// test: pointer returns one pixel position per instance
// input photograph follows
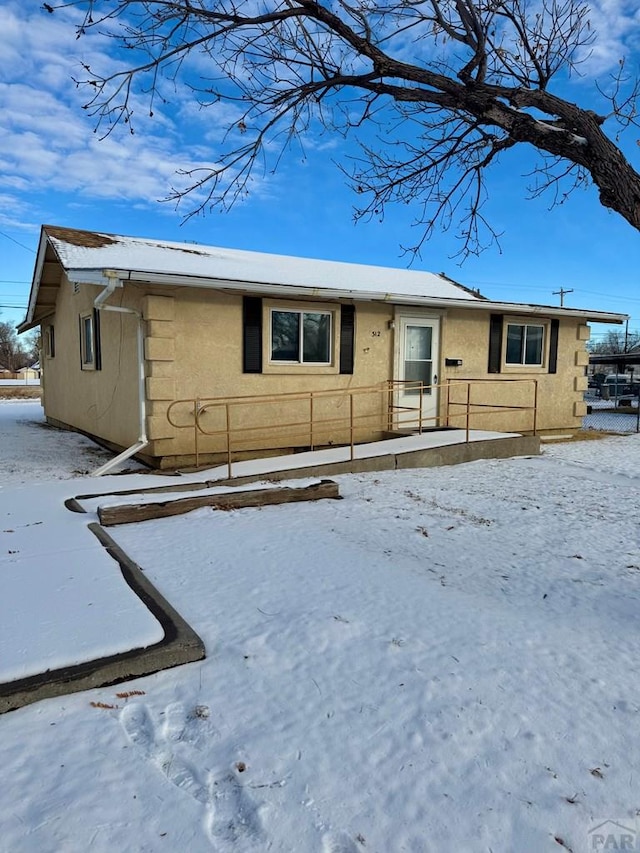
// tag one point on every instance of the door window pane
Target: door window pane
(418, 371)
(417, 342)
(418, 366)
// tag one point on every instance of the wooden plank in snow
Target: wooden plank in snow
(129, 513)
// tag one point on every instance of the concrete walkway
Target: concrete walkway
(48, 646)
(75, 611)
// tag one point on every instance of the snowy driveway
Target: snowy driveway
(444, 660)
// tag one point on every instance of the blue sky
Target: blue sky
(54, 169)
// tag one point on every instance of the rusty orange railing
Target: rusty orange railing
(309, 426)
(473, 408)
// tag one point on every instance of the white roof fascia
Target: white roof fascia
(37, 273)
(102, 277)
(377, 296)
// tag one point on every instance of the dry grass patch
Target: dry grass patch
(579, 435)
(596, 434)
(20, 392)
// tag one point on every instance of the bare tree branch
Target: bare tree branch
(446, 85)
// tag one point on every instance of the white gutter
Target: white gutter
(87, 276)
(100, 303)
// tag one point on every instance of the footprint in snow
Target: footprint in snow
(338, 843)
(160, 745)
(173, 747)
(234, 815)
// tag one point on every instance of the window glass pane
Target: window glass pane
(533, 348)
(418, 371)
(515, 340)
(285, 336)
(316, 338)
(87, 326)
(417, 342)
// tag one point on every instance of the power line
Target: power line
(613, 297)
(500, 285)
(17, 242)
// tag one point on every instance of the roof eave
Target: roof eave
(100, 277)
(28, 322)
(27, 325)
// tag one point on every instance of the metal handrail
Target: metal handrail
(471, 407)
(308, 427)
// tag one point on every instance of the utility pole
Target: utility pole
(561, 294)
(626, 335)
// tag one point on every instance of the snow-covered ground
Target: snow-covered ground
(444, 660)
(50, 560)
(32, 451)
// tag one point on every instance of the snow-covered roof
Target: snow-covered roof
(84, 250)
(96, 258)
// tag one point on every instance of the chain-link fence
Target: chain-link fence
(610, 409)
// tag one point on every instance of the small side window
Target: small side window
(87, 342)
(49, 342)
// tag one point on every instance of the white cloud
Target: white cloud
(615, 24)
(17, 213)
(47, 141)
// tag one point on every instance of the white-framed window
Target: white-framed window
(525, 344)
(49, 341)
(300, 337)
(87, 342)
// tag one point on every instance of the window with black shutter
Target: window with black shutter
(347, 338)
(252, 334)
(553, 346)
(495, 343)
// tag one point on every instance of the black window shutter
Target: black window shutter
(553, 346)
(495, 343)
(97, 345)
(251, 334)
(347, 334)
(80, 339)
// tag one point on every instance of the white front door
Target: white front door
(417, 356)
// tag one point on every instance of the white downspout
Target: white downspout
(100, 303)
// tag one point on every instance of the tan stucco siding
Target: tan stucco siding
(207, 338)
(560, 394)
(102, 402)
